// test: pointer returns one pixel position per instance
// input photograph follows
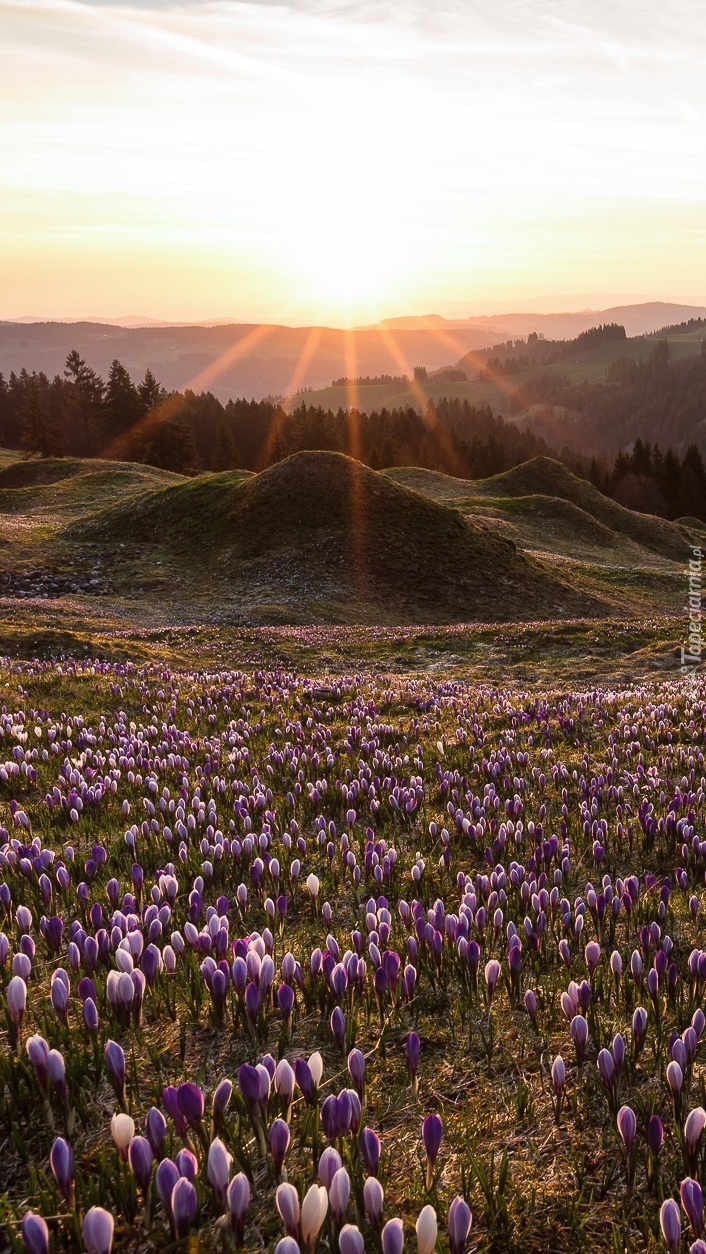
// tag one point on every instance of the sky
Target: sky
(344, 160)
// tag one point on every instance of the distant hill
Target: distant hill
(245, 359)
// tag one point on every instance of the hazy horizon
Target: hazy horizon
(344, 162)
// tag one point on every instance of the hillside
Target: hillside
(252, 359)
(547, 477)
(321, 538)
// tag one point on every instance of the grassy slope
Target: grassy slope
(316, 539)
(588, 366)
(320, 537)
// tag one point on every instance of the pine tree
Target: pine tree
(150, 392)
(40, 434)
(83, 396)
(121, 405)
(173, 447)
(225, 456)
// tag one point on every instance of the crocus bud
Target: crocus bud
(61, 1161)
(141, 1158)
(373, 1198)
(35, 1234)
(166, 1177)
(313, 1214)
(97, 1231)
(122, 1129)
(460, 1220)
(627, 1127)
(370, 1150)
(218, 1170)
(693, 1203)
(287, 1246)
(156, 1130)
(278, 1140)
(350, 1240)
(238, 1201)
(16, 998)
(393, 1237)
(184, 1204)
(115, 1066)
(427, 1231)
(287, 1202)
(670, 1223)
(693, 1129)
(339, 1194)
(432, 1136)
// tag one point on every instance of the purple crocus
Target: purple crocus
(35, 1234)
(238, 1198)
(392, 1237)
(670, 1223)
(184, 1204)
(141, 1158)
(115, 1066)
(432, 1136)
(191, 1104)
(278, 1141)
(460, 1220)
(692, 1201)
(97, 1231)
(61, 1161)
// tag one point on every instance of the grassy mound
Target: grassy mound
(542, 476)
(321, 538)
(75, 485)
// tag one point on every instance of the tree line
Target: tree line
(80, 414)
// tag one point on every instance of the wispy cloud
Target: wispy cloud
(393, 142)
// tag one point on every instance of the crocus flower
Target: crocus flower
(427, 1231)
(313, 1214)
(373, 1198)
(61, 1161)
(238, 1202)
(350, 1240)
(356, 1067)
(432, 1136)
(370, 1150)
(191, 1103)
(278, 1140)
(693, 1203)
(393, 1237)
(492, 975)
(693, 1130)
(166, 1176)
(35, 1234)
(115, 1066)
(627, 1127)
(287, 1202)
(339, 1194)
(122, 1129)
(184, 1204)
(141, 1158)
(460, 1220)
(287, 1246)
(16, 997)
(97, 1231)
(218, 1170)
(670, 1223)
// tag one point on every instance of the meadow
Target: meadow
(347, 936)
(296, 960)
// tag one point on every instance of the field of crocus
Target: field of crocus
(304, 962)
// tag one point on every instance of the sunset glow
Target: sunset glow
(345, 161)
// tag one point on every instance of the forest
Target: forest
(659, 471)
